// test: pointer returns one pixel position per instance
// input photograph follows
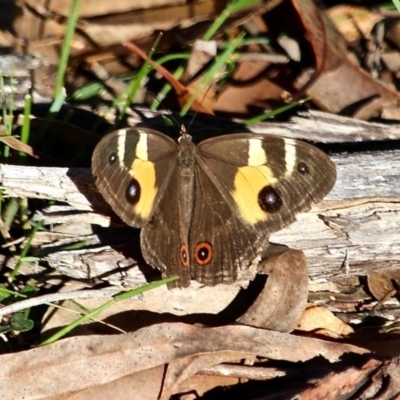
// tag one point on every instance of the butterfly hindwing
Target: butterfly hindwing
(164, 238)
(219, 242)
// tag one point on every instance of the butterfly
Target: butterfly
(207, 210)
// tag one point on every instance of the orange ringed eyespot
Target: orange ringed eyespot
(203, 253)
(184, 256)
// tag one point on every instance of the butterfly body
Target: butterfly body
(207, 210)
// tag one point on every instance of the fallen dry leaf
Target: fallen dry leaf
(384, 285)
(354, 22)
(341, 86)
(250, 89)
(16, 144)
(181, 369)
(313, 22)
(83, 362)
(183, 93)
(40, 28)
(284, 296)
(315, 317)
(143, 384)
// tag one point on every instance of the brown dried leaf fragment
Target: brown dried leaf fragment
(315, 317)
(384, 285)
(283, 299)
(340, 85)
(81, 363)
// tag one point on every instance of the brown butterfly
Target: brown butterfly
(206, 210)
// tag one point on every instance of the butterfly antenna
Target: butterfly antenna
(197, 111)
(167, 111)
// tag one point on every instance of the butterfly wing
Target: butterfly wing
(163, 240)
(219, 242)
(247, 187)
(132, 168)
(136, 172)
(267, 180)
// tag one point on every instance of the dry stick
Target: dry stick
(243, 371)
(49, 298)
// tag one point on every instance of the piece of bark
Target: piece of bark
(312, 125)
(371, 176)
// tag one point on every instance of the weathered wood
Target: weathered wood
(313, 125)
(323, 127)
(356, 223)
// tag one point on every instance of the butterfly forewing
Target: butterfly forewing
(269, 179)
(132, 168)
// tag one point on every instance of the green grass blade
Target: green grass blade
(231, 8)
(219, 62)
(144, 288)
(10, 212)
(136, 83)
(397, 5)
(7, 114)
(26, 126)
(93, 313)
(25, 250)
(274, 112)
(66, 47)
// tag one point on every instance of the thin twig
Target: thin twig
(53, 297)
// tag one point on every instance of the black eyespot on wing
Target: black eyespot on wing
(270, 200)
(303, 168)
(112, 158)
(132, 192)
(203, 253)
